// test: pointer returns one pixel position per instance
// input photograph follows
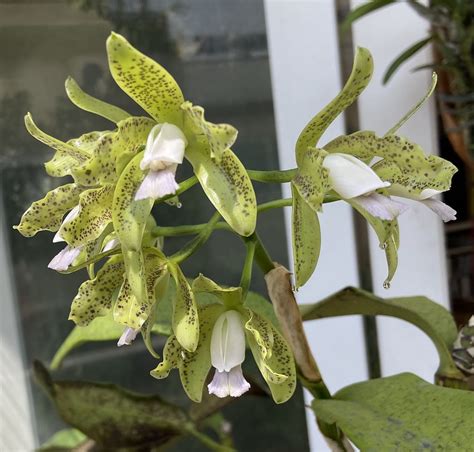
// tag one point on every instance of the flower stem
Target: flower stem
(250, 244)
(209, 442)
(278, 177)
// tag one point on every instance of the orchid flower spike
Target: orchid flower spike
(353, 180)
(127, 337)
(67, 255)
(164, 151)
(227, 356)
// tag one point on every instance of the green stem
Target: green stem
(191, 247)
(263, 259)
(250, 244)
(209, 442)
(278, 177)
(183, 186)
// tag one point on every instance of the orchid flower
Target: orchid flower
(227, 356)
(164, 151)
(352, 179)
(127, 337)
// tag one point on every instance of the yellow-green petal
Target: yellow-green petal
(358, 80)
(227, 185)
(230, 296)
(47, 213)
(144, 80)
(88, 103)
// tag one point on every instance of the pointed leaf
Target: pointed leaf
(306, 237)
(427, 315)
(91, 104)
(94, 298)
(219, 137)
(185, 312)
(66, 157)
(358, 80)
(99, 329)
(94, 216)
(113, 151)
(47, 213)
(401, 412)
(119, 420)
(145, 81)
(228, 187)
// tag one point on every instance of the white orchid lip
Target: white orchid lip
(164, 151)
(227, 355)
(350, 177)
(64, 258)
(127, 337)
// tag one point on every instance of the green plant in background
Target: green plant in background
(104, 216)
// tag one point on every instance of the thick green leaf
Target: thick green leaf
(427, 315)
(91, 104)
(94, 216)
(67, 439)
(145, 81)
(312, 179)
(358, 80)
(130, 216)
(228, 187)
(99, 329)
(66, 157)
(219, 137)
(47, 213)
(113, 417)
(185, 312)
(94, 298)
(402, 412)
(306, 238)
(388, 235)
(112, 151)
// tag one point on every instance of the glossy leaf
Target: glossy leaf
(402, 412)
(430, 317)
(193, 366)
(99, 329)
(218, 137)
(94, 298)
(66, 157)
(358, 80)
(47, 213)
(122, 419)
(312, 179)
(145, 81)
(306, 238)
(112, 151)
(185, 313)
(94, 216)
(228, 187)
(91, 104)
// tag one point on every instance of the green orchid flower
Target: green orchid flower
(225, 329)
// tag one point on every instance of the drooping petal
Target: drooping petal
(350, 177)
(64, 258)
(73, 213)
(228, 342)
(219, 386)
(127, 337)
(111, 244)
(381, 206)
(158, 184)
(238, 385)
(445, 212)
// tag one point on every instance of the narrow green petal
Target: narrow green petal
(130, 216)
(171, 359)
(218, 136)
(228, 187)
(358, 80)
(185, 313)
(47, 213)
(94, 298)
(113, 151)
(145, 81)
(312, 180)
(91, 104)
(66, 156)
(306, 238)
(95, 215)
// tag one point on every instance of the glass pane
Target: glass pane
(217, 52)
